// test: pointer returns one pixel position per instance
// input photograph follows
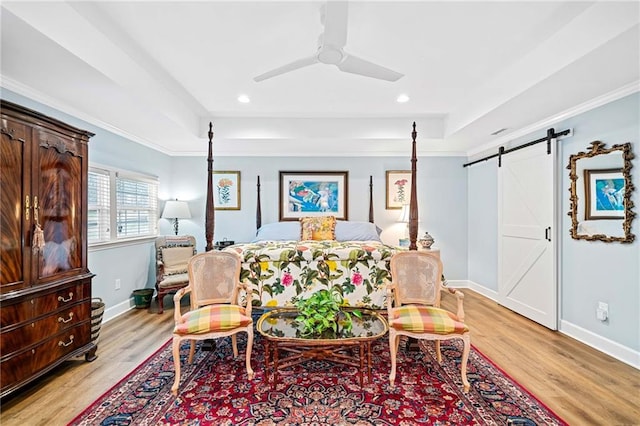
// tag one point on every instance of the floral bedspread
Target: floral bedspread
(282, 272)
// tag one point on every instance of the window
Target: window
(99, 216)
(135, 198)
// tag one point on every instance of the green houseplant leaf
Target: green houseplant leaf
(322, 312)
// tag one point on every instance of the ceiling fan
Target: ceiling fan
(331, 42)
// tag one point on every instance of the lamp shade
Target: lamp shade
(174, 209)
(404, 214)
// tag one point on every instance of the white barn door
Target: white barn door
(526, 247)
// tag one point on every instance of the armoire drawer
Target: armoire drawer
(61, 345)
(15, 369)
(60, 299)
(16, 312)
(35, 331)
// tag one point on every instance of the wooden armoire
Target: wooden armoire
(45, 285)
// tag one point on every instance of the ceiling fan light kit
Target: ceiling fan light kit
(334, 16)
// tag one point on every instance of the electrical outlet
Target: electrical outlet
(117, 283)
(602, 312)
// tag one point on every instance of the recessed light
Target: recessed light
(402, 99)
(244, 99)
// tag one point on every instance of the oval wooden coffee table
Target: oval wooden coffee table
(285, 347)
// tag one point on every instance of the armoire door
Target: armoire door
(58, 209)
(527, 281)
(16, 218)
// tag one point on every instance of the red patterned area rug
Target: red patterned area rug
(214, 391)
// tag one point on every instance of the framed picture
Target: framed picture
(398, 189)
(226, 190)
(604, 194)
(314, 194)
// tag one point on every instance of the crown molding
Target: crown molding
(596, 102)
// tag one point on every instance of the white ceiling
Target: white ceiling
(158, 72)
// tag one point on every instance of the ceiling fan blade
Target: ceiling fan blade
(335, 23)
(355, 65)
(300, 63)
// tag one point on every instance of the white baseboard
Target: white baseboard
(117, 310)
(609, 347)
(486, 292)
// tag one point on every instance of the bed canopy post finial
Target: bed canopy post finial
(210, 208)
(371, 198)
(258, 208)
(413, 203)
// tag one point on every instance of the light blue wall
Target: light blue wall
(441, 184)
(595, 271)
(483, 224)
(589, 271)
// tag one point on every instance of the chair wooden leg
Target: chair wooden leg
(393, 348)
(160, 298)
(248, 354)
(438, 353)
(192, 351)
(176, 363)
(234, 344)
(466, 339)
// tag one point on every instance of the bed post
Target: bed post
(371, 198)
(413, 203)
(258, 208)
(209, 223)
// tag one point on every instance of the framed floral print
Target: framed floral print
(313, 194)
(398, 184)
(226, 190)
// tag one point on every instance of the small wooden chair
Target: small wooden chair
(214, 289)
(172, 256)
(413, 306)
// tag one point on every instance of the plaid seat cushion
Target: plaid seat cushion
(426, 319)
(212, 318)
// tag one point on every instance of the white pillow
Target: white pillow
(278, 231)
(356, 231)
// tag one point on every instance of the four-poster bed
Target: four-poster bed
(285, 263)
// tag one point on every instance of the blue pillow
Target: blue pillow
(278, 231)
(357, 231)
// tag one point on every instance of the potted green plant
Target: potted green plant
(322, 312)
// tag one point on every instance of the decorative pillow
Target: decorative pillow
(318, 228)
(356, 231)
(278, 231)
(175, 259)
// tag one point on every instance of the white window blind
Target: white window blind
(137, 206)
(122, 206)
(99, 215)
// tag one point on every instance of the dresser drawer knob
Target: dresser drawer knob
(61, 343)
(60, 319)
(62, 299)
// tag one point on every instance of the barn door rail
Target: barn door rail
(551, 134)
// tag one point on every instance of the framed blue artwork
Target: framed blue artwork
(314, 194)
(604, 194)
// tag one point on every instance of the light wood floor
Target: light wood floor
(582, 385)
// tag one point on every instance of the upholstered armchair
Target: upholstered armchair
(217, 310)
(172, 256)
(413, 307)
